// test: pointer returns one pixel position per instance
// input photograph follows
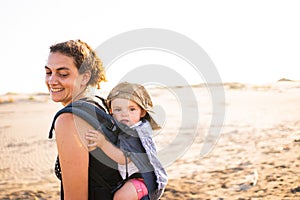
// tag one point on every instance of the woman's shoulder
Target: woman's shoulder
(68, 125)
(64, 120)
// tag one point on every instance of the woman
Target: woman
(71, 68)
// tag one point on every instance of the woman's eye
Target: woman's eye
(63, 75)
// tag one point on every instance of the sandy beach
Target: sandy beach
(255, 157)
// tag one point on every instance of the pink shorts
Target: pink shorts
(140, 187)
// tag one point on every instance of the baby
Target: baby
(130, 104)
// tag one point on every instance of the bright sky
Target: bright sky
(249, 41)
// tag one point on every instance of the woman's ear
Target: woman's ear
(86, 78)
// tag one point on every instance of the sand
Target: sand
(256, 156)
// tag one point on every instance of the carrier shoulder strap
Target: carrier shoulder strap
(92, 114)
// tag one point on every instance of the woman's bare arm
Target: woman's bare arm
(73, 155)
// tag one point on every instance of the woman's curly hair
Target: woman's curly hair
(85, 59)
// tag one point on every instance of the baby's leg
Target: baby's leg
(126, 192)
(133, 189)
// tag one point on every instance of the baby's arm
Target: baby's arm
(99, 140)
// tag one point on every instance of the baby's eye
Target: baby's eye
(117, 110)
(132, 109)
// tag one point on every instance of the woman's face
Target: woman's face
(63, 80)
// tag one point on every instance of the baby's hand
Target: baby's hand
(96, 138)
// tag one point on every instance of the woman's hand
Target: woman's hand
(95, 138)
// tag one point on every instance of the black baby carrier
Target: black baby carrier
(104, 177)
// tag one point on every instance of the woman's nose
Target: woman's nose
(52, 79)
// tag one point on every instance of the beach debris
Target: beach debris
(252, 178)
(294, 190)
(250, 181)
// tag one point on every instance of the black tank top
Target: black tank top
(104, 176)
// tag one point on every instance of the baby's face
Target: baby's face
(126, 111)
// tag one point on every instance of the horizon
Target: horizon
(107, 87)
